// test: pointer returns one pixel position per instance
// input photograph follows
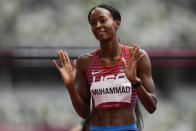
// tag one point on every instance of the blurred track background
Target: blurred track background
(32, 94)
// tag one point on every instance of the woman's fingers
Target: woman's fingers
(56, 65)
(137, 56)
(61, 57)
(74, 65)
(135, 52)
(66, 57)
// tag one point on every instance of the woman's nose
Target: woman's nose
(98, 25)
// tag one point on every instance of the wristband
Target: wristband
(139, 83)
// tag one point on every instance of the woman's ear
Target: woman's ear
(117, 24)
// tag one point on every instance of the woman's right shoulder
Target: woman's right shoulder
(85, 57)
(84, 61)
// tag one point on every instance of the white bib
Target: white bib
(111, 89)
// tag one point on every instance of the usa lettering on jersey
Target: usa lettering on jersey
(105, 78)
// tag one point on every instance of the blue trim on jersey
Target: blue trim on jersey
(130, 127)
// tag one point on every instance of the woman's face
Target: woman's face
(103, 25)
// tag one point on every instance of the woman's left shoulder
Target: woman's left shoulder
(141, 50)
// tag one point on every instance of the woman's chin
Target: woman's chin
(102, 39)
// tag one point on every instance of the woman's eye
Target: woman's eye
(92, 23)
(103, 20)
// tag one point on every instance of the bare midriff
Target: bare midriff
(113, 117)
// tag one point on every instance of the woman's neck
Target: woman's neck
(110, 49)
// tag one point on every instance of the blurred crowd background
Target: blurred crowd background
(32, 94)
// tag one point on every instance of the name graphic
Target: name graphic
(111, 90)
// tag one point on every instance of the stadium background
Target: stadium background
(32, 94)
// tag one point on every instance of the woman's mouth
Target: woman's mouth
(100, 33)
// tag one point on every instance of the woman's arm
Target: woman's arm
(79, 96)
(139, 69)
(83, 86)
(146, 92)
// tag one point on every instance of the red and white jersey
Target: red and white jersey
(109, 85)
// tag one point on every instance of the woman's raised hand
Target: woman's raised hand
(67, 71)
(131, 68)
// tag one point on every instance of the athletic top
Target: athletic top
(109, 85)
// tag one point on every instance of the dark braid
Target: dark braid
(138, 113)
(115, 13)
